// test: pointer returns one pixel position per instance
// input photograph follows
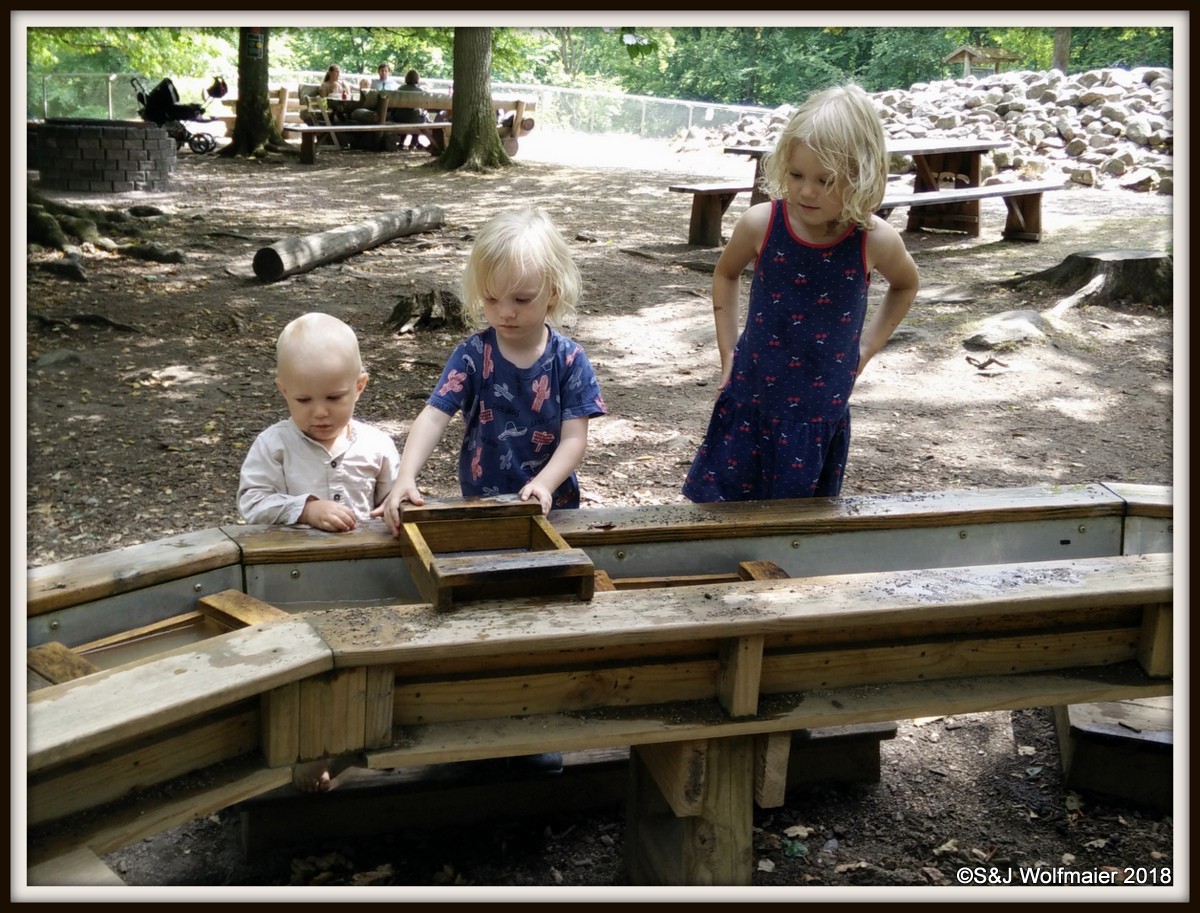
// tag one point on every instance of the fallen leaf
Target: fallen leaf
(798, 830)
(849, 866)
(1026, 750)
(950, 846)
(766, 865)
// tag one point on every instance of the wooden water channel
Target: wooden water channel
(169, 680)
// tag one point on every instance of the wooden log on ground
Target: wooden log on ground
(1108, 277)
(300, 254)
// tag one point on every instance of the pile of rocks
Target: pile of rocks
(1109, 126)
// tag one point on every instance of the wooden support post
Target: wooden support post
(712, 847)
(280, 715)
(1156, 645)
(739, 672)
(333, 713)
(381, 689)
(772, 751)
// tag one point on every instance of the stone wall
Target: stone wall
(1101, 127)
(99, 156)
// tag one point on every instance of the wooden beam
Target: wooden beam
(739, 674)
(235, 609)
(55, 663)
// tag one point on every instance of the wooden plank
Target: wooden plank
(490, 693)
(761, 570)
(1145, 500)
(469, 509)
(235, 609)
(139, 765)
(269, 544)
(442, 742)
(147, 815)
(966, 194)
(810, 516)
(770, 607)
(92, 577)
(80, 868)
(71, 720)
(55, 663)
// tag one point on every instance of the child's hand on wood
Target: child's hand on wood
(329, 516)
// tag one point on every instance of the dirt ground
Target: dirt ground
(147, 382)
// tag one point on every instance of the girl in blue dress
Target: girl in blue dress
(526, 392)
(780, 427)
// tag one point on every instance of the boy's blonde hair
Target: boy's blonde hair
(525, 240)
(843, 129)
(317, 336)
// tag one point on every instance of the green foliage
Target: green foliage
(166, 51)
(1095, 48)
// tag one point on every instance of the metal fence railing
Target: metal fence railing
(111, 96)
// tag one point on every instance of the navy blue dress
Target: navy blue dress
(781, 427)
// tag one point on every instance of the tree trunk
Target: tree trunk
(1062, 50)
(255, 132)
(1110, 277)
(474, 141)
(297, 255)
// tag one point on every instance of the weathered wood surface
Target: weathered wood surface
(71, 720)
(296, 255)
(135, 567)
(911, 599)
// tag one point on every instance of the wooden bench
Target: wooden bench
(957, 208)
(709, 203)
(310, 134)
(704, 682)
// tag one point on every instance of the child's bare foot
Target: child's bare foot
(312, 777)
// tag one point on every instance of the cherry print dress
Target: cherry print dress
(781, 427)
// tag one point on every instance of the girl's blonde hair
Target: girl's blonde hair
(843, 129)
(515, 242)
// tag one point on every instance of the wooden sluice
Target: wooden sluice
(700, 637)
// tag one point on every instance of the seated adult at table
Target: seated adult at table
(412, 83)
(385, 80)
(333, 86)
(335, 91)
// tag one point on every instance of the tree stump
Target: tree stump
(1110, 277)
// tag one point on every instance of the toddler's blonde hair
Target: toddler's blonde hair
(316, 336)
(842, 127)
(524, 240)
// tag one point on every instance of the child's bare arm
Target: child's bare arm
(887, 254)
(423, 437)
(566, 459)
(741, 250)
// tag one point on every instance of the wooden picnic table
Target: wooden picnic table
(938, 160)
(949, 168)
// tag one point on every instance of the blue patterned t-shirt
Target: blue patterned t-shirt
(514, 416)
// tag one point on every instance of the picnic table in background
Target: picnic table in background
(946, 187)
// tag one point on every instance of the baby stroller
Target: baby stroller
(161, 106)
